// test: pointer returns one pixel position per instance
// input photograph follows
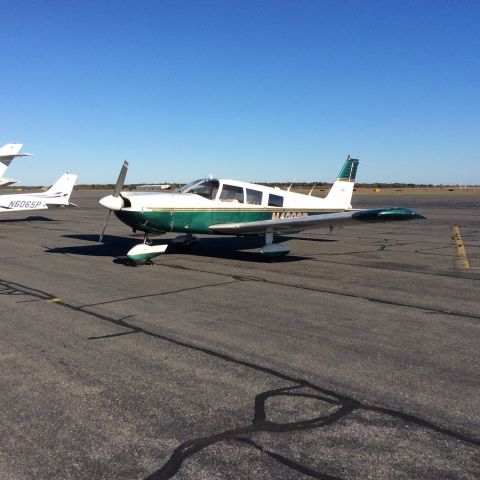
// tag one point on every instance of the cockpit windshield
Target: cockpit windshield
(204, 188)
(185, 187)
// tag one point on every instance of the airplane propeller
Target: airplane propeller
(114, 201)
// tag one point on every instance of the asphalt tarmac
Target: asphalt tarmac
(356, 357)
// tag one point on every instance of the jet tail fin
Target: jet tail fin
(340, 195)
(59, 193)
(8, 152)
(10, 149)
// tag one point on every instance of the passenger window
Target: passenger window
(275, 201)
(231, 193)
(254, 197)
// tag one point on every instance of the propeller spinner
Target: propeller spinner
(114, 202)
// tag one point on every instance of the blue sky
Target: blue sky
(254, 90)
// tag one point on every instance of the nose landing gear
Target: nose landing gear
(144, 252)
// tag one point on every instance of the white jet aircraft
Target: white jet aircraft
(232, 207)
(7, 154)
(58, 194)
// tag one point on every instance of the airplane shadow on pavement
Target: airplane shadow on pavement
(32, 218)
(232, 248)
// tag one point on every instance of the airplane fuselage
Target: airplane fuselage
(58, 194)
(198, 220)
(12, 203)
(192, 213)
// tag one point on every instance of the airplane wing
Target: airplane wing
(297, 224)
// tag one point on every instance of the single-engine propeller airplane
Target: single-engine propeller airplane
(7, 154)
(232, 207)
(58, 194)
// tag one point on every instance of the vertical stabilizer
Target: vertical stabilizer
(59, 193)
(7, 154)
(340, 195)
(10, 149)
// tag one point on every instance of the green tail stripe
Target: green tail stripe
(349, 170)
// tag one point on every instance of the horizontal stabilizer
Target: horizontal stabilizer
(17, 155)
(392, 214)
(12, 150)
(6, 181)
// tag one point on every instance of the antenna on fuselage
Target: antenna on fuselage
(293, 181)
(310, 192)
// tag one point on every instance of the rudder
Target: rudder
(340, 195)
(349, 170)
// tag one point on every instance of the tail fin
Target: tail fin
(59, 193)
(10, 149)
(7, 153)
(340, 195)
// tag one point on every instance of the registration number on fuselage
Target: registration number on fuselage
(280, 215)
(24, 204)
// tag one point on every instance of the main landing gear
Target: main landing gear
(273, 250)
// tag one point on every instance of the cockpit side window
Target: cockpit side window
(275, 200)
(254, 197)
(232, 193)
(204, 188)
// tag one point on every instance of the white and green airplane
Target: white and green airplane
(7, 153)
(232, 207)
(58, 194)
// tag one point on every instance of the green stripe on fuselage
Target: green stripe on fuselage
(198, 221)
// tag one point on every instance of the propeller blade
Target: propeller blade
(112, 202)
(100, 239)
(121, 179)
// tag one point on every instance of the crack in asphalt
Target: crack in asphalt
(331, 292)
(386, 243)
(395, 269)
(342, 405)
(288, 462)
(159, 294)
(101, 337)
(260, 423)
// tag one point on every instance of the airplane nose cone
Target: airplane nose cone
(112, 203)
